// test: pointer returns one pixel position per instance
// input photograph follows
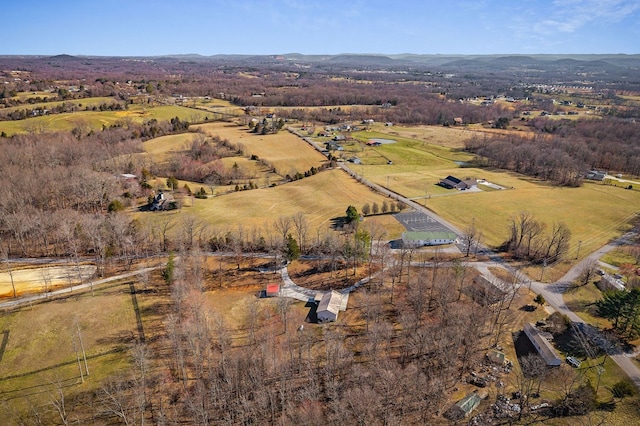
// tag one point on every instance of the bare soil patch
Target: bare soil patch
(35, 280)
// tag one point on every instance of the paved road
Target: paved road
(553, 295)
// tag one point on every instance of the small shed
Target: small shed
(465, 406)
(607, 282)
(328, 306)
(484, 291)
(273, 290)
(496, 357)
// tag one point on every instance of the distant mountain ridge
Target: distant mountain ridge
(623, 65)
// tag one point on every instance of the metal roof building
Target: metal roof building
(542, 345)
(329, 306)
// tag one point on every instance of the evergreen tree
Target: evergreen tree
(293, 250)
(352, 214)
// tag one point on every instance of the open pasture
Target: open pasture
(39, 352)
(450, 137)
(81, 104)
(252, 170)
(162, 147)
(594, 213)
(408, 151)
(320, 198)
(415, 166)
(286, 152)
(24, 96)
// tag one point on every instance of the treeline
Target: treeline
(563, 151)
(21, 114)
(410, 109)
(531, 240)
(201, 162)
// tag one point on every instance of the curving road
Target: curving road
(553, 295)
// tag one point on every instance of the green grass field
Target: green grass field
(594, 213)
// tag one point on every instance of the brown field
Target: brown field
(285, 151)
(320, 198)
(33, 280)
(40, 350)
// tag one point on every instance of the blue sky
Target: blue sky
(209, 27)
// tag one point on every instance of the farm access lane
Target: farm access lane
(384, 191)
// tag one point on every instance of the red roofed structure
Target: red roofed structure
(273, 290)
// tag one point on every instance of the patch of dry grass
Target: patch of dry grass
(33, 280)
(286, 152)
(320, 198)
(40, 345)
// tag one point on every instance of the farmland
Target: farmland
(96, 120)
(194, 194)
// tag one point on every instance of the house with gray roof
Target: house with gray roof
(542, 345)
(328, 306)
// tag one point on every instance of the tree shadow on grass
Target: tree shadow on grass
(576, 306)
(338, 222)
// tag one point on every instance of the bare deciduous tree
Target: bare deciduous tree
(301, 226)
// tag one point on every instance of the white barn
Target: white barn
(329, 306)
